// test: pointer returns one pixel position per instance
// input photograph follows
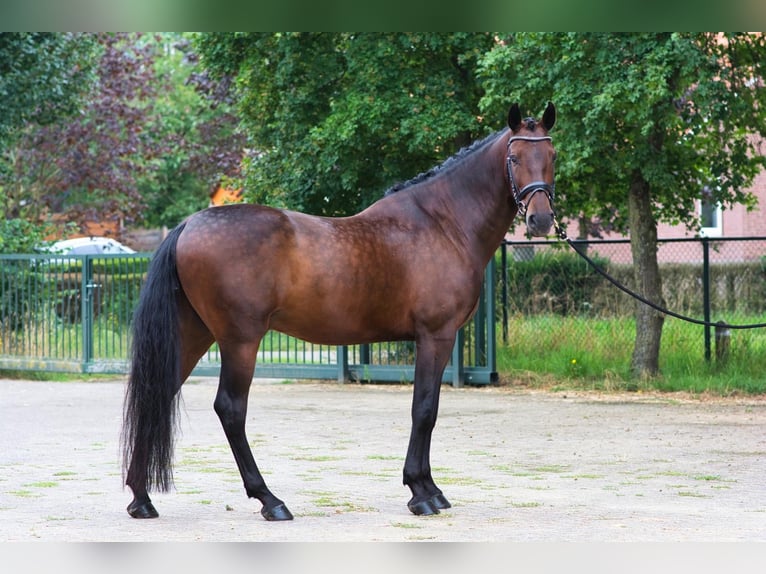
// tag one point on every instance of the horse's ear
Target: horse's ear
(549, 116)
(514, 117)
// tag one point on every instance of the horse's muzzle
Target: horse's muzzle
(539, 224)
(538, 212)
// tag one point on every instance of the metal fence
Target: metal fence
(710, 279)
(67, 313)
(73, 314)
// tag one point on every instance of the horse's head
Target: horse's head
(530, 161)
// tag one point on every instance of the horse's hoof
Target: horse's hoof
(423, 508)
(276, 513)
(142, 510)
(439, 501)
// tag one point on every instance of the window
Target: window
(710, 217)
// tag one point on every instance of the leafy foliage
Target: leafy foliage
(91, 162)
(42, 76)
(203, 145)
(21, 236)
(146, 146)
(337, 118)
(554, 282)
(680, 109)
(655, 120)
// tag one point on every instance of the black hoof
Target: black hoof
(276, 513)
(142, 510)
(439, 501)
(423, 508)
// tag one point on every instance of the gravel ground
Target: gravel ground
(517, 466)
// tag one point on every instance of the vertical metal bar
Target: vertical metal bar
(61, 279)
(364, 355)
(86, 297)
(52, 283)
(479, 326)
(5, 309)
(24, 298)
(504, 288)
(458, 373)
(69, 340)
(342, 358)
(706, 292)
(491, 351)
(97, 331)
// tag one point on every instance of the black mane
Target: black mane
(446, 165)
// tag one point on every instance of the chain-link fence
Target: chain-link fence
(707, 279)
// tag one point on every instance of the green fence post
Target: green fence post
(504, 288)
(86, 298)
(342, 358)
(458, 371)
(491, 342)
(706, 293)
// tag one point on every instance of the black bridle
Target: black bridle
(531, 188)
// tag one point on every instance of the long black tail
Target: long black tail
(151, 399)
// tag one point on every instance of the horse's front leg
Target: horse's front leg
(432, 355)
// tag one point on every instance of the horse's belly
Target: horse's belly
(337, 325)
(344, 316)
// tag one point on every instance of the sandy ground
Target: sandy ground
(517, 466)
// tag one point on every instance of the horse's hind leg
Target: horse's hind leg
(432, 356)
(237, 366)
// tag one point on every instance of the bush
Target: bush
(21, 236)
(552, 282)
(564, 284)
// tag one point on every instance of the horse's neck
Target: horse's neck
(474, 199)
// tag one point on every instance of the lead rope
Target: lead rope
(562, 235)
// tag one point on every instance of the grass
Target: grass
(316, 458)
(526, 504)
(45, 484)
(406, 525)
(58, 377)
(23, 493)
(559, 353)
(329, 500)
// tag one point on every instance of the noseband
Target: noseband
(531, 188)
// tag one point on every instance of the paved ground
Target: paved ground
(517, 466)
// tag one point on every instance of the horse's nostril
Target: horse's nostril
(539, 224)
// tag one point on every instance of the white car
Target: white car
(88, 246)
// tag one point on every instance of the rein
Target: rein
(561, 234)
(531, 188)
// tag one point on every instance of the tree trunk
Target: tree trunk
(643, 244)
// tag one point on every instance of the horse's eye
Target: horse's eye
(515, 160)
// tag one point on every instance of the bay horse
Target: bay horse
(409, 267)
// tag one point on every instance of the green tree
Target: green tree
(42, 77)
(88, 165)
(334, 119)
(203, 145)
(146, 146)
(648, 123)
